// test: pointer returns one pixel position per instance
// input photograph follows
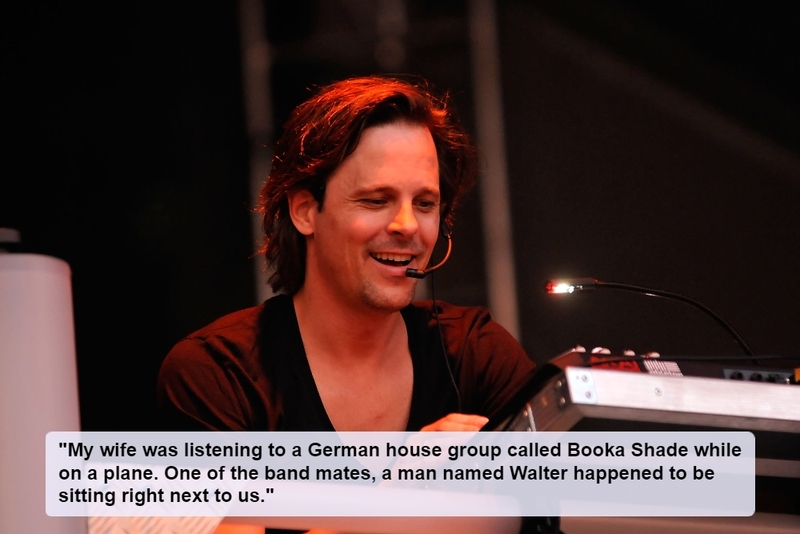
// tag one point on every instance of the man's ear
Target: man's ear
(302, 208)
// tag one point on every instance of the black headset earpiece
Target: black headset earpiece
(445, 228)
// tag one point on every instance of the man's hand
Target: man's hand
(455, 422)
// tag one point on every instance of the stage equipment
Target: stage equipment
(580, 391)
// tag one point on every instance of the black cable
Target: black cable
(441, 340)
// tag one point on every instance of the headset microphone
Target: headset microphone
(414, 273)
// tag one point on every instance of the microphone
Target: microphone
(414, 273)
(573, 285)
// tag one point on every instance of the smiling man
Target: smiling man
(363, 177)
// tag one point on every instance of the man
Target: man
(362, 177)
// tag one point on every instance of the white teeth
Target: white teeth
(392, 257)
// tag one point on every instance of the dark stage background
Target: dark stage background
(651, 144)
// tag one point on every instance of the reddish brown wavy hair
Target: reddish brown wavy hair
(324, 130)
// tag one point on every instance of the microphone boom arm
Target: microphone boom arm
(588, 284)
(414, 273)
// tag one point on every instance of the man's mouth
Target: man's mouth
(394, 260)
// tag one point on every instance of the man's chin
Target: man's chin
(388, 300)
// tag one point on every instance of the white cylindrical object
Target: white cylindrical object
(38, 386)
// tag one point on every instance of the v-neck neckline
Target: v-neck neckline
(415, 347)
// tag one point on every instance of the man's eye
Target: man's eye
(374, 201)
(426, 204)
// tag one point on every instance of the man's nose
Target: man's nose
(405, 221)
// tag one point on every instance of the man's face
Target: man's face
(380, 217)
